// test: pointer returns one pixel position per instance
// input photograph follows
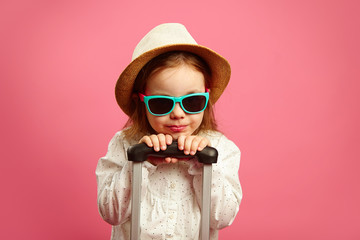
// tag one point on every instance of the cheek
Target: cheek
(151, 119)
(154, 121)
(197, 119)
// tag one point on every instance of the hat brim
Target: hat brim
(220, 71)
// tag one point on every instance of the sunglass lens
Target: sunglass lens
(194, 103)
(160, 105)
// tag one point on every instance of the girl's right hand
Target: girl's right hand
(158, 142)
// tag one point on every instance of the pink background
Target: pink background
(292, 107)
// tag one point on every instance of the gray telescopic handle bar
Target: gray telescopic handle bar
(140, 152)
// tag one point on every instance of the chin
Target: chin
(175, 136)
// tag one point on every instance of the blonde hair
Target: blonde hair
(137, 124)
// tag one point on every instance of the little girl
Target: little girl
(168, 91)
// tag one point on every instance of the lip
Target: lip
(176, 128)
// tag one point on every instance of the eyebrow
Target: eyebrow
(168, 95)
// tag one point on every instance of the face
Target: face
(176, 82)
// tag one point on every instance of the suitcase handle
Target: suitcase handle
(140, 152)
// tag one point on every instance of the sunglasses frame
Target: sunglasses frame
(175, 100)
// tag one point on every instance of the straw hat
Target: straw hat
(165, 38)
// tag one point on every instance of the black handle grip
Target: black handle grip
(140, 152)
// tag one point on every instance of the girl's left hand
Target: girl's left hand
(190, 145)
(193, 143)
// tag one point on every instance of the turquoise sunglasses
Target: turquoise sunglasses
(159, 105)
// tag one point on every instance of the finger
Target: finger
(187, 144)
(146, 140)
(203, 143)
(168, 139)
(181, 142)
(162, 141)
(155, 142)
(195, 145)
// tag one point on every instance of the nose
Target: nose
(177, 112)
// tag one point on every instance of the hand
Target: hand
(189, 144)
(158, 142)
(193, 143)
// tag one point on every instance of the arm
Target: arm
(113, 174)
(226, 193)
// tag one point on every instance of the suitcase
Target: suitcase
(140, 152)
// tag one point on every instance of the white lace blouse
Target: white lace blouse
(171, 193)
